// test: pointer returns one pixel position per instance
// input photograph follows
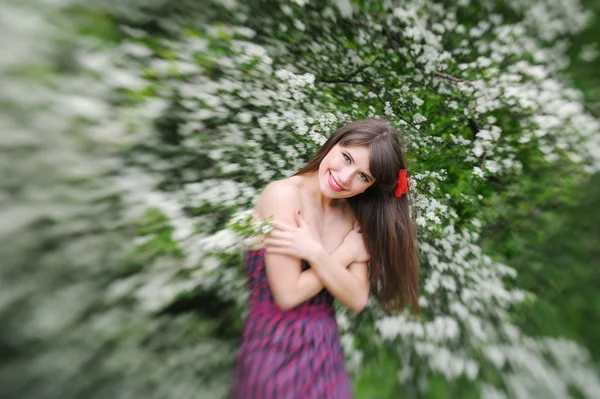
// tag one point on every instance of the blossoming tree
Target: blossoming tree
(170, 118)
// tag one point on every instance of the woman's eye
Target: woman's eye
(364, 177)
(346, 157)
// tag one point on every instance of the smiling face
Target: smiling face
(344, 172)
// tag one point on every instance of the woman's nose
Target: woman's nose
(346, 175)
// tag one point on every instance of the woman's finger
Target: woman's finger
(278, 225)
(280, 234)
(275, 242)
(277, 250)
(299, 219)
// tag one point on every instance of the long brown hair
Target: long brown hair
(385, 220)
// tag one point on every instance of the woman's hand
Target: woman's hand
(298, 242)
(355, 243)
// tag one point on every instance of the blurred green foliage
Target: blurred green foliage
(550, 235)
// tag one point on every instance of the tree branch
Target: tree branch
(452, 78)
(443, 75)
(373, 89)
(390, 41)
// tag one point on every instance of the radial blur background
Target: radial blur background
(135, 134)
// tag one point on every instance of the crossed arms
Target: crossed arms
(344, 272)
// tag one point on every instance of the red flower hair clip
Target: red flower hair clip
(402, 187)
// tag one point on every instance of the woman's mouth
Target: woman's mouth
(335, 186)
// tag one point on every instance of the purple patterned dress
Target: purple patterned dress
(293, 354)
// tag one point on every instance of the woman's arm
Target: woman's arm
(349, 285)
(290, 285)
(309, 283)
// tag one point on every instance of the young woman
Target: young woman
(342, 230)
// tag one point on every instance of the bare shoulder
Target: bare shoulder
(279, 197)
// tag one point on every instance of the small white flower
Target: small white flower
(418, 118)
(478, 172)
(492, 166)
(417, 101)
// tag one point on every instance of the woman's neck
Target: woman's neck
(310, 187)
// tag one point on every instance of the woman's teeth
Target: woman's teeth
(333, 183)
